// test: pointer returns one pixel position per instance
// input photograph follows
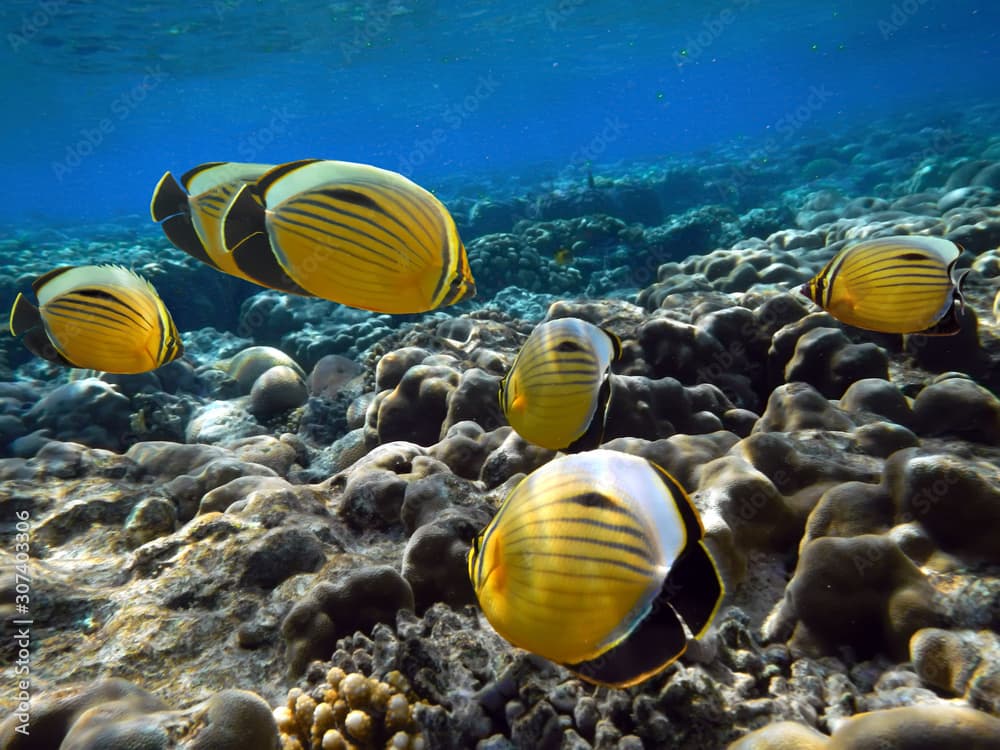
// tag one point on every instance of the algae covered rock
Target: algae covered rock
(115, 714)
(356, 600)
(859, 591)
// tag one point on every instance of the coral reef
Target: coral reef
(264, 544)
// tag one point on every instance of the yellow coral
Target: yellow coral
(349, 711)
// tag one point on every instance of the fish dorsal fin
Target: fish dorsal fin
(53, 284)
(944, 249)
(657, 640)
(169, 199)
(693, 530)
(46, 278)
(193, 174)
(616, 345)
(24, 316)
(269, 180)
(283, 182)
(206, 177)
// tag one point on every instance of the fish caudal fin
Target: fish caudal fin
(26, 322)
(37, 342)
(23, 316)
(694, 588)
(169, 199)
(170, 207)
(657, 640)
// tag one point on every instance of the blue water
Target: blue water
(102, 97)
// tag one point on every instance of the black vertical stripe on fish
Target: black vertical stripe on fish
(593, 436)
(656, 640)
(694, 587)
(182, 235)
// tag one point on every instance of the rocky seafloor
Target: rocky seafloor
(263, 544)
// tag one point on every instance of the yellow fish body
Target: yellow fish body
(557, 391)
(104, 318)
(191, 211)
(592, 561)
(354, 234)
(904, 284)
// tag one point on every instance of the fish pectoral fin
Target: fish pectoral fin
(23, 316)
(655, 642)
(694, 588)
(169, 199)
(37, 342)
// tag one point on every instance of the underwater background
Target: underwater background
(263, 543)
(443, 92)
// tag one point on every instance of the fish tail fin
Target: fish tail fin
(169, 199)
(23, 316)
(694, 588)
(37, 342)
(170, 207)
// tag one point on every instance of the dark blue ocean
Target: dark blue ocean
(101, 98)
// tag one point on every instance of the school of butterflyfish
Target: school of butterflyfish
(350, 233)
(597, 559)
